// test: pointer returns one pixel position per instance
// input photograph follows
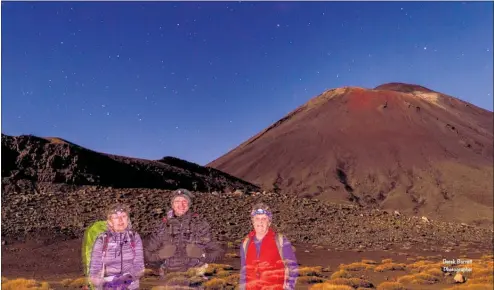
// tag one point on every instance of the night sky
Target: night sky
(195, 79)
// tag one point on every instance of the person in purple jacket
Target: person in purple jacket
(117, 259)
(267, 258)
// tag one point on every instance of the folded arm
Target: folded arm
(214, 251)
(96, 264)
(291, 263)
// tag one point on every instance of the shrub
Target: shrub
(215, 283)
(390, 286)
(341, 274)
(310, 271)
(358, 266)
(390, 267)
(420, 278)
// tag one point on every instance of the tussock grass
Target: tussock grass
(419, 278)
(21, 283)
(482, 280)
(66, 282)
(391, 286)
(222, 273)
(423, 265)
(178, 281)
(325, 286)
(386, 261)
(215, 284)
(233, 279)
(471, 287)
(487, 257)
(352, 282)
(310, 280)
(310, 271)
(79, 282)
(369, 262)
(357, 266)
(341, 274)
(390, 267)
(172, 275)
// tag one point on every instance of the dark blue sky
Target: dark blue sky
(193, 80)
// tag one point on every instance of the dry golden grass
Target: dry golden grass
(223, 273)
(391, 286)
(66, 282)
(419, 278)
(481, 280)
(411, 259)
(390, 267)
(21, 283)
(471, 287)
(178, 281)
(487, 257)
(79, 282)
(4, 279)
(309, 280)
(385, 261)
(215, 283)
(148, 272)
(423, 265)
(172, 275)
(233, 279)
(357, 266)
(310, 271)
(341, 274)
(436, 272)
(352, 282)
(370, 262)
(325, 286)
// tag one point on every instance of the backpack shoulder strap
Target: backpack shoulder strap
(245, 245)
(106, 240)
(279, 244)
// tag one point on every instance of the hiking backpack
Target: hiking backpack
(90, 236)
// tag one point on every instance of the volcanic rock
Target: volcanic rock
(28, 160)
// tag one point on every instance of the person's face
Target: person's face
(180, 205)
(119, 221)
(261, 223)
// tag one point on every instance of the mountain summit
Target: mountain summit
(398, 146)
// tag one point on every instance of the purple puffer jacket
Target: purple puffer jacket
(119, 259)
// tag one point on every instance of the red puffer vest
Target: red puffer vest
(268, 270)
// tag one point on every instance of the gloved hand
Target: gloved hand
(119, 280)
(125, 279)
(167, 251)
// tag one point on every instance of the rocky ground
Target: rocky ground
(65, 211)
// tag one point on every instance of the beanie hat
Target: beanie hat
(183, 193)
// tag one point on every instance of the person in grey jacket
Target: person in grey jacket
(117, 259)
(183, 240)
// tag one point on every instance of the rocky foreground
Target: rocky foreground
(65, 211)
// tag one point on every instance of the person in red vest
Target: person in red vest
(267, 258)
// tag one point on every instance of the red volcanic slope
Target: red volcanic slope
(397, 146)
